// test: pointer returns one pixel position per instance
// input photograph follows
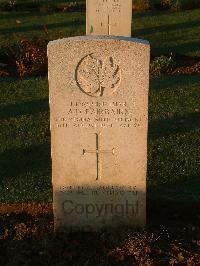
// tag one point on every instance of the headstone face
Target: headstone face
(99, 106)
(109, 17)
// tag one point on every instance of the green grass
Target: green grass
(174, 132)
(24, 141)
(32, 25)
(174, 120)
(176, 32)
(173, 152)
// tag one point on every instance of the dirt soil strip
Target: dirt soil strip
(33, 209)
(193, 69)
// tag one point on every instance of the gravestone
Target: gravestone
(98, 111)
(109, 17)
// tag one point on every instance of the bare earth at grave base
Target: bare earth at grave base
(26, 234)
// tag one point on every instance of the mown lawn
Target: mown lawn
(24, 140)
(176, 32)
(174, 120)
(173, 152)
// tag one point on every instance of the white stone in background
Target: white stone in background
(99, 118)
(109, 17)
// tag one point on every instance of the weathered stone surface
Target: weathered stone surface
(109, 17)
(98, 105)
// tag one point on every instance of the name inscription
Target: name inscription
(98, 114)
(111, 6)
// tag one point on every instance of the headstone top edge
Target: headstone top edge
(98, 38)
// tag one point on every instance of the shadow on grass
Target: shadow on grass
(173, 82)
(175, 125)
(9, 80)
(75, 23)
(175, 203)
(150, 13)
(17, 109)
(185, 48)
(30, 159)
(168, 27)
(20, 15)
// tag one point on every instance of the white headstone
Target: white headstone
(109, 17)
(99, 117)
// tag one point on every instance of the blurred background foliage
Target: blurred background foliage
(60, 5)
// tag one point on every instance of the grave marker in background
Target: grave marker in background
(109, 17)
(99, 108)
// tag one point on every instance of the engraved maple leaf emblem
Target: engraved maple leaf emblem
(98, 77)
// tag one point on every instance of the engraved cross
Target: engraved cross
(110, 25)
(113, 6)
(98, 153)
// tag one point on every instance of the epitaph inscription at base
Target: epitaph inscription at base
(98, 107)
